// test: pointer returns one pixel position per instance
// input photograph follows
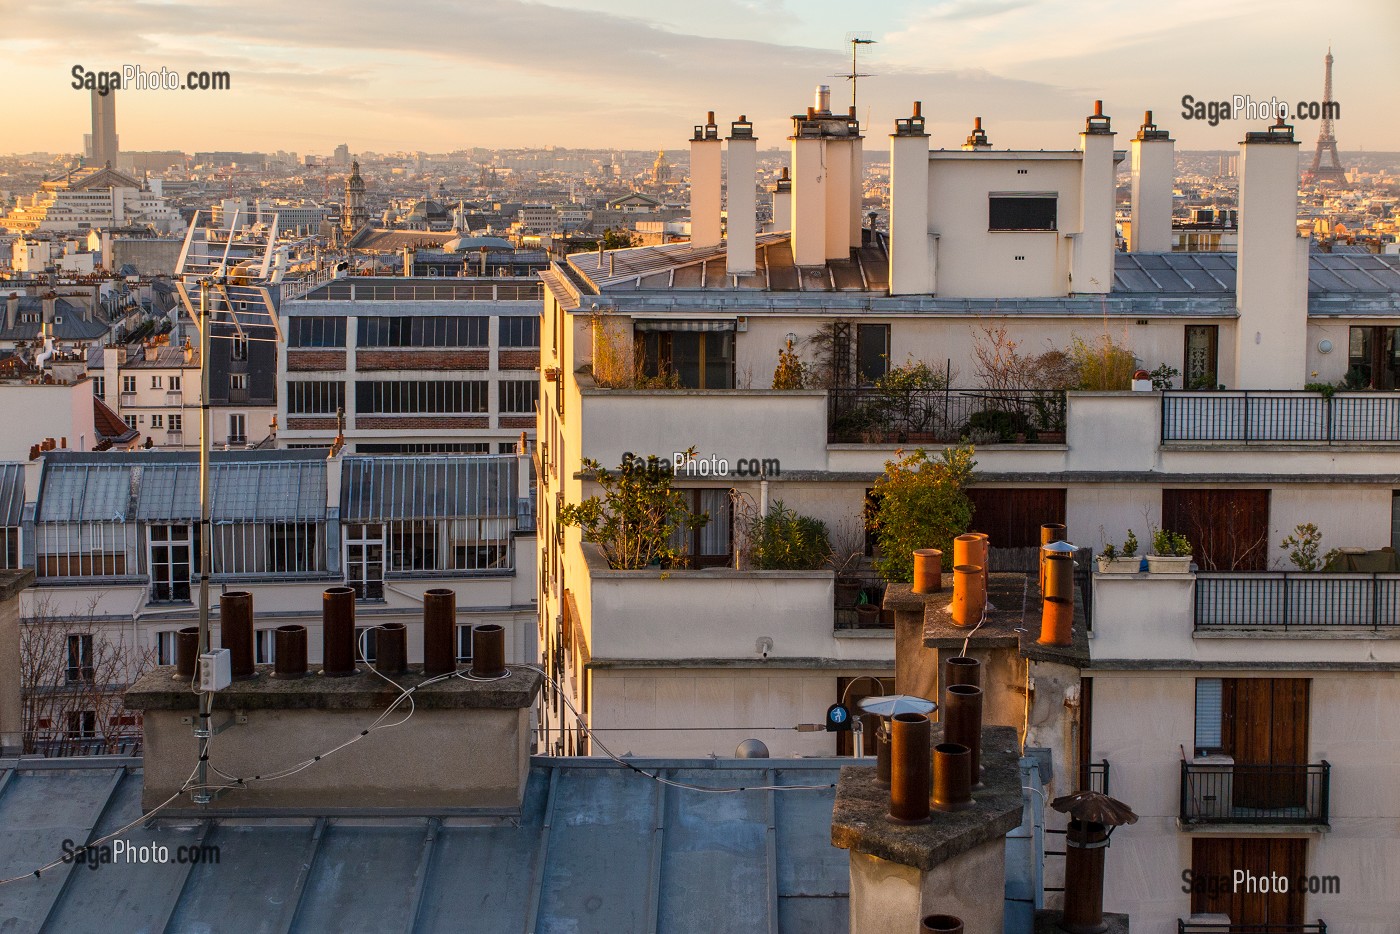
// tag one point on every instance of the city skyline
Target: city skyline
(624, 74)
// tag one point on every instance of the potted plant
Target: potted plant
(867, 611)
(845, 557)
(1171, 553)
(1112, 561)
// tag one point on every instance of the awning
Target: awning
(706, 324)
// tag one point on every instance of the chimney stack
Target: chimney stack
(1092, 266)
(782, 202)
(50, 300)
(439, 628)
(289, 657)
(977, 139)
(741, 155)
(809, 183)
(1154, 173)
(911, 266)
(236, 631)
(857, 188)
(1271, 279)
(12, 310)
(705, 156)
(338, 632)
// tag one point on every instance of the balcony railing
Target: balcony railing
(1206, 927)
(946, 416)
(1281, 417)
(1286, 601)
(1098, 777)
(1255, 794)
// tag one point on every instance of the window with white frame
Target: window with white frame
(128, 384)
(177, 422)
(238, 347)
(464, 643)
(157, 420)
(175, 384)
(364, 560)
(519, 395)
(238, 428)
(79, 667)
(170, 553)
(130, 420)
(366, 644)
(264, 646)
(238, 381)
(165, 647)
(156, 381)
(82, 724)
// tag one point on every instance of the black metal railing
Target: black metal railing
(1207, 927)
(1285, 600)
(1281, 417)
(1097, 777)
(1255, 794)
(945, 416)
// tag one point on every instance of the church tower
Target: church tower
(355, 215)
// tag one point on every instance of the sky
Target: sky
(437, 76)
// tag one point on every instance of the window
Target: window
(520, 332)
(157, 421)
(319, 397)
(130, 420)
(464, 643)
(1374, 358)
(170, 562)
(366, 644)
(1209, 734)
(165, 647)
(700, 359)
(175, 384)
(712, 544)
(383, 397)
(264, 646)
(1021, 212)
(9, 548)
(364, 560)
(238, 381)
(82, 724)
(79, 658)
(238, 428)
(316, 331)
(872, 352)
(1395, 519)
(128, 384)
(292, 548)
(519, 395)
(1201, 357)
(424, 331)
(238, 347)
(155, 382)
(177, 422)
(99, 386)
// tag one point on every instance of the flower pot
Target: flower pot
(847, 591)
(1119, 565)
(867, 616)
(1051, 437)
(1169, 564)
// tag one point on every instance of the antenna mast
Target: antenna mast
(856, 40)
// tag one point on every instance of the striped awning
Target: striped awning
(703, 324)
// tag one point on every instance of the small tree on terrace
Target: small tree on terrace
(637, 518)
(923, 503)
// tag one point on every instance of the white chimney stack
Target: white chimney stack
(782, 202)
(809, 183)
(1154, 171)
(741, 157)
(705, 158)
(857, 177)
(911, 272)
(1092, 268)
(1271, 278)
(838, 198)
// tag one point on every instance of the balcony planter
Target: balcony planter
(847, 591)
(867, 616)
(1119, 565)
(1169, 564)
(1050, 437)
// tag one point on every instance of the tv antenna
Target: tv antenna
(855, 40)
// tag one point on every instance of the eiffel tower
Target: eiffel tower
(1326, 142)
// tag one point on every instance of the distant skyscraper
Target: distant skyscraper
(104, 128)
(342, 154)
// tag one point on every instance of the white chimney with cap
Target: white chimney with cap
(1092, 268)
(782, 201)
(1271, 278)
(809, 184)
(911, 268)
(705, 165)
(1153, 172)
(741, 157)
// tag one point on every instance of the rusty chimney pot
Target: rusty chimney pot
(918, 108)
(186, 653)
(961, 669)
(289, 658)
(391, 649)
(962, 724)
(488, 651)
(910, 764)
(928, 570)
(236, 631)
(969, 595)
(338, 632)
(1098, 108)
(941, 924)
(439, 627)
(1085, 843)
(952, 781)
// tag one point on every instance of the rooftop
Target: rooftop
(597, 847)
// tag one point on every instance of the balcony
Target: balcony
(946, 416)
(1269, 795)
(1209, 927)
(1287, 601)
(1281, 417)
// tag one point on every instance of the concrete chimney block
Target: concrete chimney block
(706, 154)
(911, 264)
(1153, 161)
(1091, 268)
(809, 184)
(741, 157)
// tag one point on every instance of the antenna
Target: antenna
(855, 40)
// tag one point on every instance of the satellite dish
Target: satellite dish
(892, 704)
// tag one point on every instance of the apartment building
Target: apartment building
(113, 540)
(153, 388)
(412, 364)
(693, 660)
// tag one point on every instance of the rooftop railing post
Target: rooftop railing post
(1185, 796)
(1326, 792)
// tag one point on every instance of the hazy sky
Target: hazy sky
(435, 75)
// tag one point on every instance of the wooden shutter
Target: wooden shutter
(1012, 517)
(1228, 529)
